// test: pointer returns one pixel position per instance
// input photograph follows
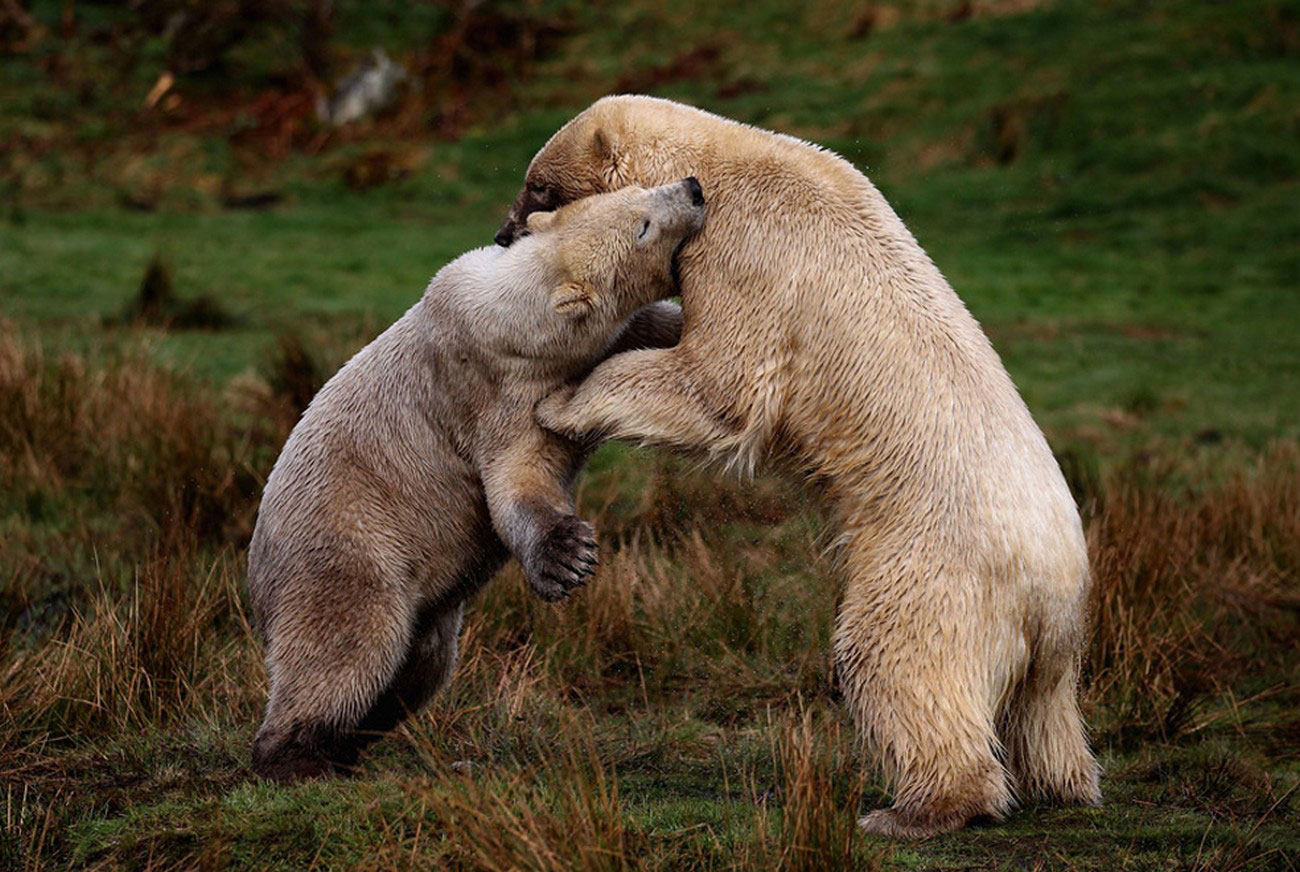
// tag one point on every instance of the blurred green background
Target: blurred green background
(1110, 186)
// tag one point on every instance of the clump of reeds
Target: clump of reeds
(129, 439)
(1194, 584)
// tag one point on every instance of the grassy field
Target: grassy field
(1111, 188)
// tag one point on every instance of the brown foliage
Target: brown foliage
(814, 761)
(564, 813)
(123, 616)
(138, 658)
(134, 439)
(1194, 586)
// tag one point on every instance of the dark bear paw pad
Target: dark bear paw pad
(565, 558)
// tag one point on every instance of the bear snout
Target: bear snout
(506, 234)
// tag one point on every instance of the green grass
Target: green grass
(1110, 187)
(1135, 262)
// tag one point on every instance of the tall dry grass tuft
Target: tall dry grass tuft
(140, 658)
(699, 608)
(820, 786)
(294, 373)
(559, 814)
(1193, 584)
(500, 708)
(29, 823)
(134, 440)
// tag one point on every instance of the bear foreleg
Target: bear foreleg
(652, 396)
(527, 485)
(658, 325)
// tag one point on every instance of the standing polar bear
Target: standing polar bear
(420, 463)
(819, 334)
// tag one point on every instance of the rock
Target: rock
(371, 87)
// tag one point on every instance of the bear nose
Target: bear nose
(505, 235)
(697, 193)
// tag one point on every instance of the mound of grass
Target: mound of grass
(157, 305)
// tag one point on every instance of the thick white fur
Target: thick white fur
(419, 465)
(819, 335)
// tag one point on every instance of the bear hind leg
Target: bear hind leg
(1047, 749)
(323, 682)
(927, 725)
(944, 777)
(426, 671)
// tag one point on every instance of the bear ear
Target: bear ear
(603, 145)
(611, 160)
(539, 221)
(573, 299)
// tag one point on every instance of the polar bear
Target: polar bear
(819, 335)
(419, 465)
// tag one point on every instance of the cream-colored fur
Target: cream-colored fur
(818, 334)
(419, 465)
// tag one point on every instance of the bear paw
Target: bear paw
(286, 760)
(889, 823)
(896, 824)
(550, 411)
(564, 558)
(290, 769)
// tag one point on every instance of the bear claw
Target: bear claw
(565, 558)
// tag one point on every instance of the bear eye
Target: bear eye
(645, 228)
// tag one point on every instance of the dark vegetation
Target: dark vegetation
(186, 253)
(156, 304)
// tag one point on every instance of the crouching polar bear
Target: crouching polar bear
(818, 334)
(419, 464)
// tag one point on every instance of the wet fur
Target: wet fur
(819, 336)
(419, 468)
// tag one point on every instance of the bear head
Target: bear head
(562, 293)
(616, 252)
(617, 141)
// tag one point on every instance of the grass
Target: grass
(1110, 187)
(678, 714)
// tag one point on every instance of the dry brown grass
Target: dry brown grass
(1195, 586)
(129, 439)
(701, 647)
(169, 648)
(563, 813)
(819, 786)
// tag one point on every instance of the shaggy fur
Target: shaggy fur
(419, 465)
(818, 333)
